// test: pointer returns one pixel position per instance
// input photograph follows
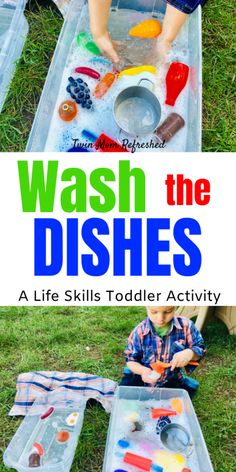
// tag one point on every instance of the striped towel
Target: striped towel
(74, 387)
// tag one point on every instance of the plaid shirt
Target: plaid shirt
(145, 346)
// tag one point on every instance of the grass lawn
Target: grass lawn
(219, 46)
(56, 338)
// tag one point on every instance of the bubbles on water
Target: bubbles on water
(136, 115)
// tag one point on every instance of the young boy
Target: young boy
(168, 338)
(176, 14)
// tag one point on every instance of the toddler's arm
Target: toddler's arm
(99, 14)
(173, 21)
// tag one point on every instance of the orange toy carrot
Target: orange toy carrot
(146, 29)
(159, 366)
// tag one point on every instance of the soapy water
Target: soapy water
(146, 442)
(136, 115)
(45, 433)
(100, 119)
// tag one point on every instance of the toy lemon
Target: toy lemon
(146, 29)
(169, 461)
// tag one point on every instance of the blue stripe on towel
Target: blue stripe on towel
(92, 377)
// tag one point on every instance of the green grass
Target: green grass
(56, 339)
(219, 46)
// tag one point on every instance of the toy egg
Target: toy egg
(68, 110)
(146, 29)
(72, 419)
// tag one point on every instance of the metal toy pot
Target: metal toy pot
(137, 110)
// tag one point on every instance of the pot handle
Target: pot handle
(189, 449)
(147, 83)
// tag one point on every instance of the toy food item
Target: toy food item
(82, 38)
(104, 84)
(88, 71)
(186, 470)
(120, 470)
(176, 80)
(78, 149)
(68, 110)
(159, 412)
(106, 144)
(72, 419)
(169, 461)
(177, 405)
(172, 124)
(34, 460)
(137, 427)
(47, 413)
(89, 135)
(133, 416)
(39, 448)
(138, 70)
(161, 423)
(123, 443)
(146, 29)
(62, 436)
(93, 48)
(160, 366)
(79, 91)
(138, 461)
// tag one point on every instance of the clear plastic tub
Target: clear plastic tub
(13, 32)
(45, 129)
(135, 404)
(35, 433)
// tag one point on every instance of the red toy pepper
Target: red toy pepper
(176, 80)
(47, 413)
(106, 144)
(138, 461)
(88, 71)
(158, 412)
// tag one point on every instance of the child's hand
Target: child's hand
(181, 359)
(105, 43)
(146, 372)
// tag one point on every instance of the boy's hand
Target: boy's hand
(105, 43)
(181, 359)
(145, 375)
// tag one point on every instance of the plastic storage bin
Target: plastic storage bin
(134, 404)
(13, 32)
(41, 126)
(40, 436)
